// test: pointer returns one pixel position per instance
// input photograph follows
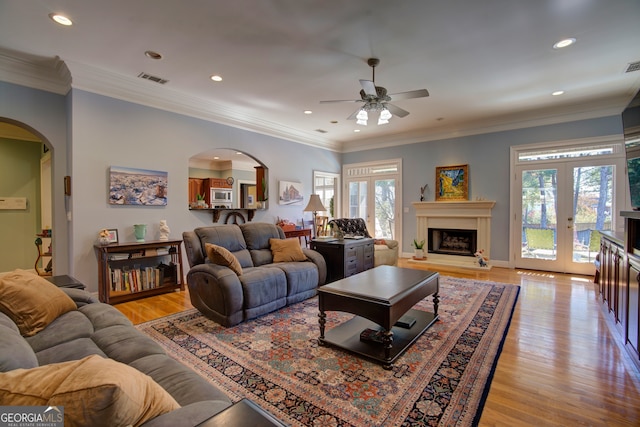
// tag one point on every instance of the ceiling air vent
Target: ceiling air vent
(152, 78)
(633, 66)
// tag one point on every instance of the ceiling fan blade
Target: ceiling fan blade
(397, 111)
(368, 87)
(340, 100)
(420, 93)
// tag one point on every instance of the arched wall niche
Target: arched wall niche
(225, 172)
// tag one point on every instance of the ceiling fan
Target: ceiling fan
(376, 99)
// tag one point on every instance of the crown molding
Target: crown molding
(150, 94)
(48, 74)
(525, 119)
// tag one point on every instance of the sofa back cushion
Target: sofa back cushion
(229, 237)
(16, 352)
(257, 235)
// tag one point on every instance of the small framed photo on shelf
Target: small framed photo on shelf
(112, 236)
(452, 182)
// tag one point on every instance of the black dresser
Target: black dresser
(345, 257)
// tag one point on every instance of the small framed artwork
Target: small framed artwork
(452, 182)
(113, 235)
(290, 193)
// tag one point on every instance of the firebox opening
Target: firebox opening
(452, 241)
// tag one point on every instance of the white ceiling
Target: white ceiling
(488, 65)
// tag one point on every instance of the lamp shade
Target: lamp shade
(315, 204)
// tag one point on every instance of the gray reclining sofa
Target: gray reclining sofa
(264, 286)
(94, 328)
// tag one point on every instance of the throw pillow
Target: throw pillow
(284, 250)
(93, 391)
(31, 301)
(222, 256)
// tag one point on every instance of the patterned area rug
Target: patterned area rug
(442, 379)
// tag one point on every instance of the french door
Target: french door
(562, 206)
(372, 193)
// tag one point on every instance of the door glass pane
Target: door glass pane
(385, 205)
(592, 201)
(539, 213)
(324, 186)
(358, 199)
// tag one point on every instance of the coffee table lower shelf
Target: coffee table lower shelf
(347, 336)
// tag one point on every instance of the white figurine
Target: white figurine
(164, 230)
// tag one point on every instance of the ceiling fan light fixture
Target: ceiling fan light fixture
(362, 115)
(385, 114)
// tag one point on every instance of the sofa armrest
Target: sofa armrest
(80, 297)
(390, 243)
(319, 261)
(216, 291)
(190, 415)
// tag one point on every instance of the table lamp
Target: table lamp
(315, 205)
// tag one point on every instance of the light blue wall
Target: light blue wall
(100, 132)
(488, 158)
(107, 132)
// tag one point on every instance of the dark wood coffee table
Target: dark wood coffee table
(379, 298)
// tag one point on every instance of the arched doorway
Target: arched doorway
(26, 188)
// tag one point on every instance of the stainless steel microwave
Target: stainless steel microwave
(221, 196)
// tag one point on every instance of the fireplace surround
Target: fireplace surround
(470, 215)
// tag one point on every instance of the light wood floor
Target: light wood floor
(560, 365)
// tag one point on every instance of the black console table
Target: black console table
(65, 281)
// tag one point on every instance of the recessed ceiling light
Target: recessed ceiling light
(557, 92)
(216, 158)
(308, 112)
(61, 19)
(356, 130)
(153, 55)
(564, 43)
(216, 78)
(333, 122)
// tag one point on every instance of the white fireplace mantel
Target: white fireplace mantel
(463, 215)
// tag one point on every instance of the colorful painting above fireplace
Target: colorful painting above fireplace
(452, 182)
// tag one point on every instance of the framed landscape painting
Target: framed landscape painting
(452, 182)
(129, 186)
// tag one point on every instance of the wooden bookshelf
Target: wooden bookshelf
(129, 271)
